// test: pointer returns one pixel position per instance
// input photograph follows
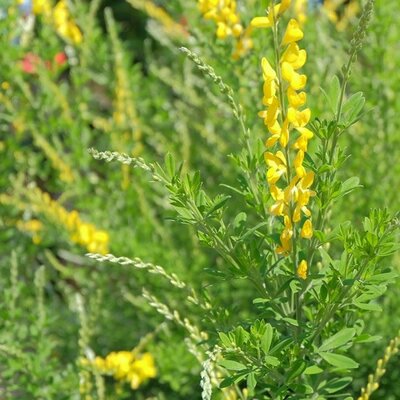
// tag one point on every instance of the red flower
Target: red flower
(30, 63)
(60, 58)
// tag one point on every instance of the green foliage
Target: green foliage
(147, 141)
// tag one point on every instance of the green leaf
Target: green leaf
(266, 339)
(251, 383)
(367, 338)
(271, 360)
(349, 185)
(332, 93)
(170, 165)
(290, 321)
(241, 336)
(337, 340)
(313, 370)
(219, 202)
(367, 306)
(384, 277)
(337, 384)
(232, 365)
(339, 360)
(297, 369)
(352, 108)
(225, 339)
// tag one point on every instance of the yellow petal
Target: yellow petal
(296, 100)
(302, 269)
(268, 71)
(293, 32)
(261, 22)
(284, 5)
(307, 230)
(284, 138)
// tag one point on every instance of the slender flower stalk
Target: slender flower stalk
(286, 117)
(373, 379)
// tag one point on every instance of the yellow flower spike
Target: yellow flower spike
(293, 32)
(302, 270)
(290, 202)
(307, 230)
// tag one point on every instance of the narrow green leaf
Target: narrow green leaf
(367, 306)
(251, 383)
(337, 384)
(337, 340)
(225, 339)
(266, 339)
(313, 370)
(339, 360)
(232, 365)
(297, 369)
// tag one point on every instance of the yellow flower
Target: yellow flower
(262, 22)
(294, 56)
(307, 229)
(41, 7)
(64, 24)
(82, 233)
(127, 366)
(277, 166)
(293, 32)
(302, 269)
(34, 227)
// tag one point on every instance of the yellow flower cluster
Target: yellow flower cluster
(82, 233)
(127, 366)
(41, 7)
(34, 227)
(287, 177)
(60, 17)
(224, 14)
